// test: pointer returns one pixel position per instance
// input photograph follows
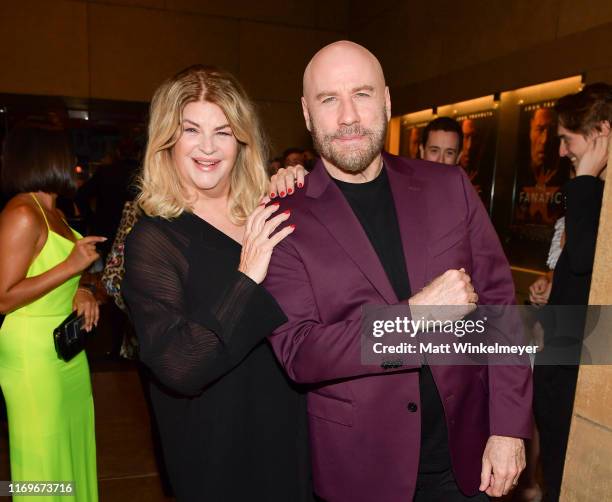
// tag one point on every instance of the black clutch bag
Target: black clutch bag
(70, 336)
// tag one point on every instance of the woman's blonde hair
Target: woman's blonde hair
(161, 191)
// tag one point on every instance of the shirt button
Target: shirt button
(412, 407)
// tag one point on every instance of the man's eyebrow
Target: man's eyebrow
(324, 94)
(363, 88)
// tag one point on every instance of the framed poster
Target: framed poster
(540, 173)
(478, 150)
(410, 139)
(539, 179)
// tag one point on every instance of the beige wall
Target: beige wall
(122, 49)
(444, 51)
(588, 464)
(433, 52)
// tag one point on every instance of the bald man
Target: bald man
(372, 228)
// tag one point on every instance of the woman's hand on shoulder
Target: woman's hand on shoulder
(258, 243)
(285, 181)
(85, 304)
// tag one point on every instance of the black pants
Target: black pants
(441, 487)
(554, 388)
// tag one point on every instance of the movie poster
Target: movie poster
(478, 151)
(410, 139)
(540, 176)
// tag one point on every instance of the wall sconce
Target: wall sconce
(78, 114)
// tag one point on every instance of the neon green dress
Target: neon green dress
(49, 401)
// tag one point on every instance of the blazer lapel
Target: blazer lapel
(412, 215)
(335, 213)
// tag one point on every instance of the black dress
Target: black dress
(233, 428)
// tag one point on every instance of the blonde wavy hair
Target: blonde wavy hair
(161, 191)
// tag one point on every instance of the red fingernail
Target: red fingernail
(282, 194)
(292, 226)
(300, 185)
(276, 204)
(287, 212)
(289, 191)
(272, 195)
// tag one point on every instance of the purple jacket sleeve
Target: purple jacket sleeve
(310, 350)
(510, 387)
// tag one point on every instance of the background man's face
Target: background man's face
(294, 159)
(469, 143)
(443, 147)
(275, 165)
(540, 135)
(573, 145)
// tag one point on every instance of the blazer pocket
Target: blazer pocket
(330, 409)
(449, 239)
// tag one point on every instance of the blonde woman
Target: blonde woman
(231, 424)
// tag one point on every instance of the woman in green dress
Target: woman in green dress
(49, 401)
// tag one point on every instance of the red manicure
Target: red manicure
(300, 185)
(282, 194)
(272, 195)
(289, 191)
(292, 226)
(287, 212)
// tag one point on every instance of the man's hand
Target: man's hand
(539, 291)
(452, 291)
(537, 335)
(502, 463)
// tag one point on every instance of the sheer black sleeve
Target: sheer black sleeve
(189, 346)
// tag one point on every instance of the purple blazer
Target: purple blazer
(365, 440)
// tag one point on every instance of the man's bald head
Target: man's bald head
(346, 106)
(337, 57)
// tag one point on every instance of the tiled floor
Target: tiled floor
(127, 469)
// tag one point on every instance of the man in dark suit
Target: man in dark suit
(584, 129)
(372, 228)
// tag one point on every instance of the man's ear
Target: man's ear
(306, 114)
(604, 127)
(422, 151)
(387, 103)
